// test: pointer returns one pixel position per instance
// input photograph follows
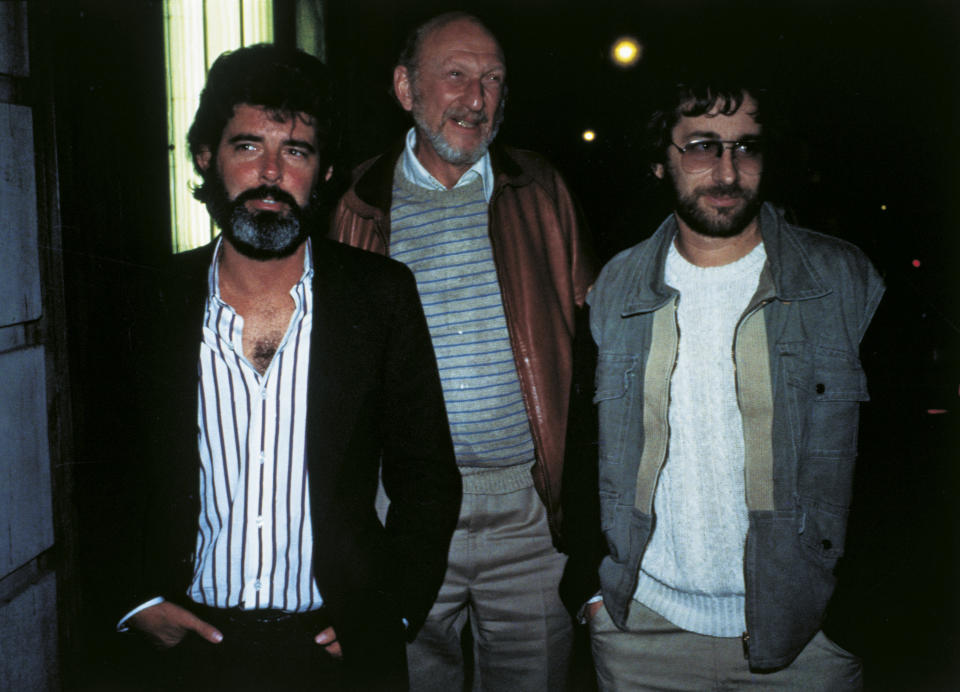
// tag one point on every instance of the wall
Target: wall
(29, 357)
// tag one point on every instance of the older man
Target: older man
(494, 240)
(285, 374)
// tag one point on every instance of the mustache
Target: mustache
(732, 190)
(265, 191)
(473, 117)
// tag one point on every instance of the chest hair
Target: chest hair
(264, 324)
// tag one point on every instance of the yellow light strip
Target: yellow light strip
(257, 17)
(222, 19)
(195, 33)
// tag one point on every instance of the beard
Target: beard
(446, 151)
(717, 223)
(260, 234)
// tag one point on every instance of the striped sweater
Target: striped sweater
(442, 236)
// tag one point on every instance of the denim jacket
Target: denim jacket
(799, 386)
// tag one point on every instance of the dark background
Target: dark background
(869, 95)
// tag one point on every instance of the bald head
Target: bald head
(413, 45)
(453, 83)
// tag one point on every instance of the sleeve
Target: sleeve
(583, 269)
(875, 291)
(419, 470)
(582, 538)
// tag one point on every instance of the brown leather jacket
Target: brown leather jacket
(544, 267)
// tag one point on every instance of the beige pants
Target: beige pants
(502, 578)
(654, 654)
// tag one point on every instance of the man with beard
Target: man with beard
(728, 386)
(284, 375)
(494, 240)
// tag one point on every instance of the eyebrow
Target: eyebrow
(459, 61)
(709, 134)
(247, 137)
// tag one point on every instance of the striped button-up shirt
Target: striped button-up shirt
(255, 539)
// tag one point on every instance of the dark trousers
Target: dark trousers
(264, 651)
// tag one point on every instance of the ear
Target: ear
(402, 87)
(203, 158)
(328, 174)
(657, 170)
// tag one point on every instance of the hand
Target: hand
(328, 640)
(166, 624)
(593, 609)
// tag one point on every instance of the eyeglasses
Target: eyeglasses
(703, 154)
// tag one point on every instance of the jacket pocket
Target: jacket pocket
(608, 518)
(838, 388)
(627, 531)
(822, 531)
(608, 509)
(614, 380)
(827, 386)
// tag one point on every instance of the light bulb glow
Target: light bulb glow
(626, 52)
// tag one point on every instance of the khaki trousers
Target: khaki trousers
(654, 654)
(502, 578)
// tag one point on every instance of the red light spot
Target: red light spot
(936, 411)
(916, 263)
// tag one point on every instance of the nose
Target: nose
(271, 167)
(473, 95)
(725, 170)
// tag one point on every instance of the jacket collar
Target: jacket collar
(375, 186)
(793, 275)
(506, 171)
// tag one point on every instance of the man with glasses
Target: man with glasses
(728, 388)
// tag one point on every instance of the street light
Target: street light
(626, 52)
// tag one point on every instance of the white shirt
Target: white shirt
(255, 541)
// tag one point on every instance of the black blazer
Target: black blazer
(374, 400)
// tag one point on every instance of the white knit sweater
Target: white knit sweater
(692, 571)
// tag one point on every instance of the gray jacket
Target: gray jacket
(799, 386)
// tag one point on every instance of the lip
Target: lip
(466, 126)
(722, 201)
(266, 204)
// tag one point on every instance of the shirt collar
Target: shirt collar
(213, 275)
(414, 171)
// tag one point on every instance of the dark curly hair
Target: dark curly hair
(691, 99)
(283, 80)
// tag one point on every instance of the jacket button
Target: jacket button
(820, 388)
(826, 543)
